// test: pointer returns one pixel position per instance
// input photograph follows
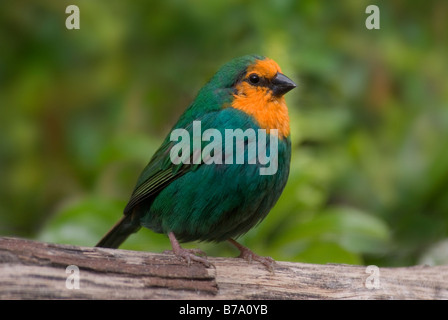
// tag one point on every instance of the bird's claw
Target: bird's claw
(190, 255)
(249, 256)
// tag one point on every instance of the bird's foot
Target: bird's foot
(189, 255)
(249, 255)
(196, 252)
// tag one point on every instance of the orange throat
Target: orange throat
(269, 111)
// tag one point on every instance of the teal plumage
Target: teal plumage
(217, 202)
(210, 202)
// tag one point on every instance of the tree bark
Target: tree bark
(37, 270)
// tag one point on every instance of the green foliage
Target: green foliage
(82, 111)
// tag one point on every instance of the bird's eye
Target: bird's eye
(254, 78)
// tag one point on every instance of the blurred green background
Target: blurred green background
(82, 111)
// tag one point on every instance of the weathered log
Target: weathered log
(37, 270)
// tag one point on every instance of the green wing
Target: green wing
(156, 176)
(159, 172)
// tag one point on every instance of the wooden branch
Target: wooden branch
(37, 270)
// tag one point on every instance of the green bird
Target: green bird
(223, 166)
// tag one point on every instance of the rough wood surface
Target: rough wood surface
(37, 270)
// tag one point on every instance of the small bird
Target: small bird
(219, 200)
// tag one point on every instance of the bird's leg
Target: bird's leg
(187, 254)
(248, 255)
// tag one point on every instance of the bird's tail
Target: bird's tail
(119, 232)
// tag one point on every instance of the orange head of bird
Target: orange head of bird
(259, 92)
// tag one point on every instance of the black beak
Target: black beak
(281, 84)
